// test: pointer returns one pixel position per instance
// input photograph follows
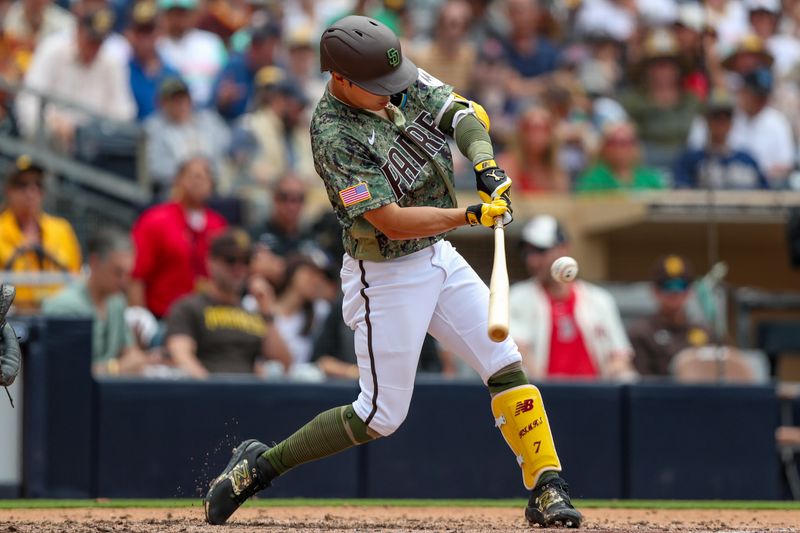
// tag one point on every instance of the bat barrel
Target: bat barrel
(498, 288)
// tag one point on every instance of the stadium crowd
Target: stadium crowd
(585, 97)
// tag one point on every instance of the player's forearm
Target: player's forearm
(473, 140)
(402, 223)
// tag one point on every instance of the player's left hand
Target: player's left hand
(492, 181)
(485, 214)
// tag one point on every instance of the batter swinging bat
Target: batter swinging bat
(498, 286)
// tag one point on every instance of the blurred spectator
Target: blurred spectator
(303, 64)
(749, 54)
(278, 125)
(601, 73)
(527, 52)
(177, 132)
(690, 34)
(300, 309)
(618, 165)
(533, 159)
(658, 338)
(224, 17)
(284, 230)
(659, 106)
(765, 18)
(757, 128)
(30, 239)
(235, 85)
(101, 297)
(763, 129)
(728, 18)
(147, 70)
(265, 264)
(313, 14)
(33, 20)
(209, 332)
(610, 17)
(564, 330)
(573, 124)
(450, 54)
(717, 166)
(79, 71)
(197, 55)
(172, 240)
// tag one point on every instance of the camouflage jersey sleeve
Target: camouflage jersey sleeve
(352, 177)
(434, 95)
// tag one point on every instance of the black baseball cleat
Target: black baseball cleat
(550, 506)
(246, 474)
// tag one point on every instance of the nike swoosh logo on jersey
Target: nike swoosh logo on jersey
(372, 138)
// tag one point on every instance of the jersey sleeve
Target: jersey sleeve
(435, 95)
(352, 177)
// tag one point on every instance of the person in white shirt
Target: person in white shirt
(197, 55)
(80, 71)
(564, 330)
(758, 128)
(764, 18)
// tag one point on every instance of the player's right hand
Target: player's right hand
(484, 214)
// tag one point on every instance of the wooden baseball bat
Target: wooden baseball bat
(498, 286)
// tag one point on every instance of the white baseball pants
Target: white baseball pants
(390, 306)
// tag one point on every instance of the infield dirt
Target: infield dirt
(384, 520)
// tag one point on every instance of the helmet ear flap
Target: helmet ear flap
(399, 99)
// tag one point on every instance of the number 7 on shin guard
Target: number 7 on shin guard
(519, 414)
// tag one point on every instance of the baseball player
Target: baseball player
(379, 141)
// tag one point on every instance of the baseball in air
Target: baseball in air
(564, 269)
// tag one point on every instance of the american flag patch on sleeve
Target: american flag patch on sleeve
(355, 194)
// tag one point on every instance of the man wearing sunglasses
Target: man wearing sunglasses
(210, 332)
(379, 142)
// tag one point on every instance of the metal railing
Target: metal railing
(38, 147)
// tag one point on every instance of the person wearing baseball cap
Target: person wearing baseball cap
(657, 338)
(765, 18)
(146, 67)
(564, 330)
(379, 139)
(235, 85)
(32, 240)
(209, 331)
(717, 165)
(761, 129)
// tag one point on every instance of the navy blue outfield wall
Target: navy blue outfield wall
(130, 438)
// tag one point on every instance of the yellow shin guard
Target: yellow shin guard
(520, 415)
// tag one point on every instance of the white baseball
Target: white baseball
(564, 269)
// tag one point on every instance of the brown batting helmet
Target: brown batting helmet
(367, 53)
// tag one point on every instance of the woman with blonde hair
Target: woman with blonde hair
(533, 156)
(618, 165)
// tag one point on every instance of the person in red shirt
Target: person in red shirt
(564, 330)
(172, 240)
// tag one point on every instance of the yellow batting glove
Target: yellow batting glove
(485, 214)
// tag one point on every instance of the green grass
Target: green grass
(296, 502)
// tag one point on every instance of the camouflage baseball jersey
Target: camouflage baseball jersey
(367, 162)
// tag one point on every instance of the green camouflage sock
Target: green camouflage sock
(328, 433)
